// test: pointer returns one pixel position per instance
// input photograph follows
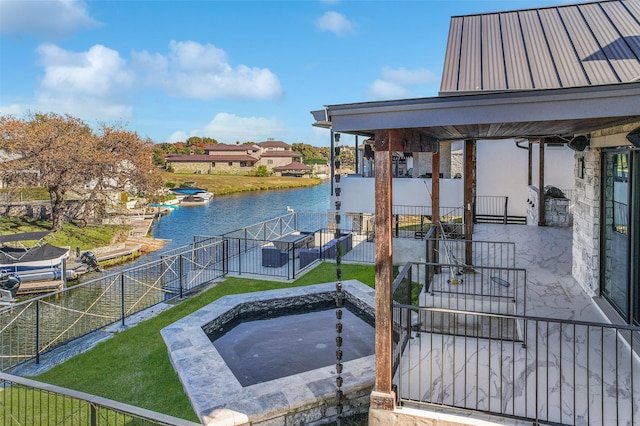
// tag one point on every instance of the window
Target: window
(243, 164)
(269, 162)
(620, 266)
(213, 164)
(230, 163)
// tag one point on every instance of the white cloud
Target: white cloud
(229, 128)
(395, 82)
(198, 71)
(178, 136)
(336, 23)
(381, 89)
(404, 76)
(44, 18)
(15, 110)
(86, 83)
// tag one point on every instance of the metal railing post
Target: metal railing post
(239, 258)
(506, 203)
(180, 273)
(94, 415)
(122, 297)
(292, 250)
(225, 256)
(37, 332)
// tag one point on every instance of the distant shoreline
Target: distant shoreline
(232, 184)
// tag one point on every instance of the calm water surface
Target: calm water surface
(227, 213)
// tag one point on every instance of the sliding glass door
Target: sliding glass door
(620, 267)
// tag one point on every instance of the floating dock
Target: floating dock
(33, 287)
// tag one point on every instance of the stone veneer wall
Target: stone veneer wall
(35, 210)
(586, 221)
(556, 211)
(205, 168)
(422, 161)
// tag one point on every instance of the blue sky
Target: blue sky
(231, 70)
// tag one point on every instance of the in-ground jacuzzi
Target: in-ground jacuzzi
(269, 378)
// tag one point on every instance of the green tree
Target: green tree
(262, 171)
(193, 141)
(308, 152)
(347, 158)
(63, 154)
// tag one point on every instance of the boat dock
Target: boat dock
(136, 242)
(34, 287)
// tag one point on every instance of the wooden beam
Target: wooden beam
(469, 194)
(541, 218)
(435, 190)
(408, 140)
(383, 397)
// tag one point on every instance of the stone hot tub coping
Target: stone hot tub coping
(218, 397)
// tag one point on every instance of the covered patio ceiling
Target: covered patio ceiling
(529, 114)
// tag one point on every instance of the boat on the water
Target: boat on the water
(193, 200)
(184, 192)
(18, 259)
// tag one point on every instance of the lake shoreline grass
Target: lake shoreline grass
(232, 184)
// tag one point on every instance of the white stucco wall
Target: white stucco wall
(358, 193)
(502, 169)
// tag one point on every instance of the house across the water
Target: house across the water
(235, 158)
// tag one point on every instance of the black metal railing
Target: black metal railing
(495, 209)
(31, 328)
(415, 221)
(28, 402)
(542, 370)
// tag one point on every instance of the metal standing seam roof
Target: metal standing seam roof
(565, 46)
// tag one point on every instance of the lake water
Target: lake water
(226, 213)
(230, 212)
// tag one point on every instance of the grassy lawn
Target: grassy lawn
(133, 367)
(227, 184)
(86, 238)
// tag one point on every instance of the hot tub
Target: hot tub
(299, 395)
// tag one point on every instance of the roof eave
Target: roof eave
(584, 103)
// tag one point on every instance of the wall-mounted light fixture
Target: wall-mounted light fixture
(578, 143)
(634, 137)
(580, 170)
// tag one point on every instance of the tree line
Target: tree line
(73, 162)
(310, 154)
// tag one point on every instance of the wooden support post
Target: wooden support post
(541, 218)
(469, 194)
(435, 194)
(383, 397)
